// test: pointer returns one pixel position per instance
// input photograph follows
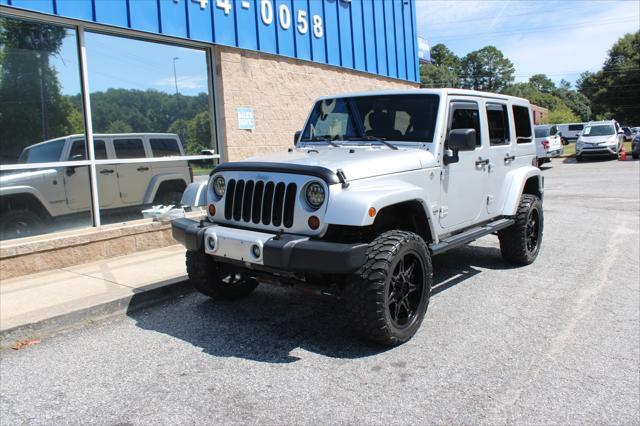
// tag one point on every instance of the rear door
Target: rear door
(133, 178)
(500, 152)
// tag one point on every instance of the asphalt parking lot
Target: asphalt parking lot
(555, 342)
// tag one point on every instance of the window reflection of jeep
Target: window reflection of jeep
(377, 184)
(33, 201)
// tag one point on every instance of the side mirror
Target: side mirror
(462, 140)
(296, 137)
(70, 171)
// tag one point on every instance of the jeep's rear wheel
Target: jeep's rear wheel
(218, 280)
(520, 243)
(388, 297)
(20, 224)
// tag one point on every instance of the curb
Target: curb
(141, 299)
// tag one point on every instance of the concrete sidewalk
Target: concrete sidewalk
(47, 302)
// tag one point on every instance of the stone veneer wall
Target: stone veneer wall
(281, 92)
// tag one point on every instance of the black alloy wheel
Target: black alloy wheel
(405, 290)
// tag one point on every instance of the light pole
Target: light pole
(175, 74)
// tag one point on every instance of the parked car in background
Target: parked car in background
(548, 143)
(570, 131)
(627, 134)
(635, 146)
(600, 138)
(32, 198)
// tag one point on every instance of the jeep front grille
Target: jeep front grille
(270, 203)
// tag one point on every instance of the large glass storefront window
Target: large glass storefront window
(150, 107)
(40, 117)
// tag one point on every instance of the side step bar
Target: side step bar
(469, 235)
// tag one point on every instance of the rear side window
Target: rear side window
(129, 148)
(466, 116)
(576, 127)
(498, 121)
(164, 147)
(522, 121)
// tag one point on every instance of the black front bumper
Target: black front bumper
(293, 253)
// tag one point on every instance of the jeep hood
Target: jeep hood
(355, 162)
(27, 176)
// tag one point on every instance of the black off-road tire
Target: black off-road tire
(369, 292)
(579, 158)
(217, 280)
(20, 223)
(516, 240)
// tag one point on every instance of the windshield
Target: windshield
(48, 152)
(602, 130)
(542, 132)
(409, 118)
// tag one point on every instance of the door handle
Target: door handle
(106, 171)
(509, 158)
(481, 162)
(142, 169)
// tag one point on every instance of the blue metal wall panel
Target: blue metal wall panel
(346, 37)
(266, 31)
(377, 36)
(45, 6)
(414, 39)
(303, 40)
(144, 15)
(357, 29)
(331, 31)
(401, 53)
(246, 30)
(381, 37)
(284, 17)
(173, 18)
(409, 42)
(318, 44)
(392, 58)
(224, 26)
(112, 12)
(200, 27)
(368, 25)
(78, 9)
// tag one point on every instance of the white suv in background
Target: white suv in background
(600, 138)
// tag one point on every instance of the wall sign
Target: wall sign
(245, 119)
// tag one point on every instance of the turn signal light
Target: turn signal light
(314, 222)
(212, 210)
(372, 212)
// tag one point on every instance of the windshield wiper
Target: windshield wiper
(374, 138)
(326, 139)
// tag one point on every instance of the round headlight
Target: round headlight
(218, 186)
(315, 194)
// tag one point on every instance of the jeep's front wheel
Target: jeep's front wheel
(388, 297)
(520, 243)
(20, 224)
(218, 280)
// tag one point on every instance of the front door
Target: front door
(463, 182)
(501, 154)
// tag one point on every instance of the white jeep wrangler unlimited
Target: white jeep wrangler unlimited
(377, 184)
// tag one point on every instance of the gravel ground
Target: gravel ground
(555, 342)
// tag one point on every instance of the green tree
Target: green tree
(562, 114)
(486, 69)
(615, 89)
(444, 70)
(542, 83)
(32, 108)
(119, 126)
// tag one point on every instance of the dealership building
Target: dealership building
(98, 98)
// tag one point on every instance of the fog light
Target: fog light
(212, 210)
(314, 222)
(255, 251)
(211, 243)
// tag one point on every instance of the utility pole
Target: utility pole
(175, 80)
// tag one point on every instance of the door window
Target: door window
(498, 122)
(164, 147)
(129, 148)
(78, 151)
(465, 115)
(522, 121)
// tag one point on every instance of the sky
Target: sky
(557, 38)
